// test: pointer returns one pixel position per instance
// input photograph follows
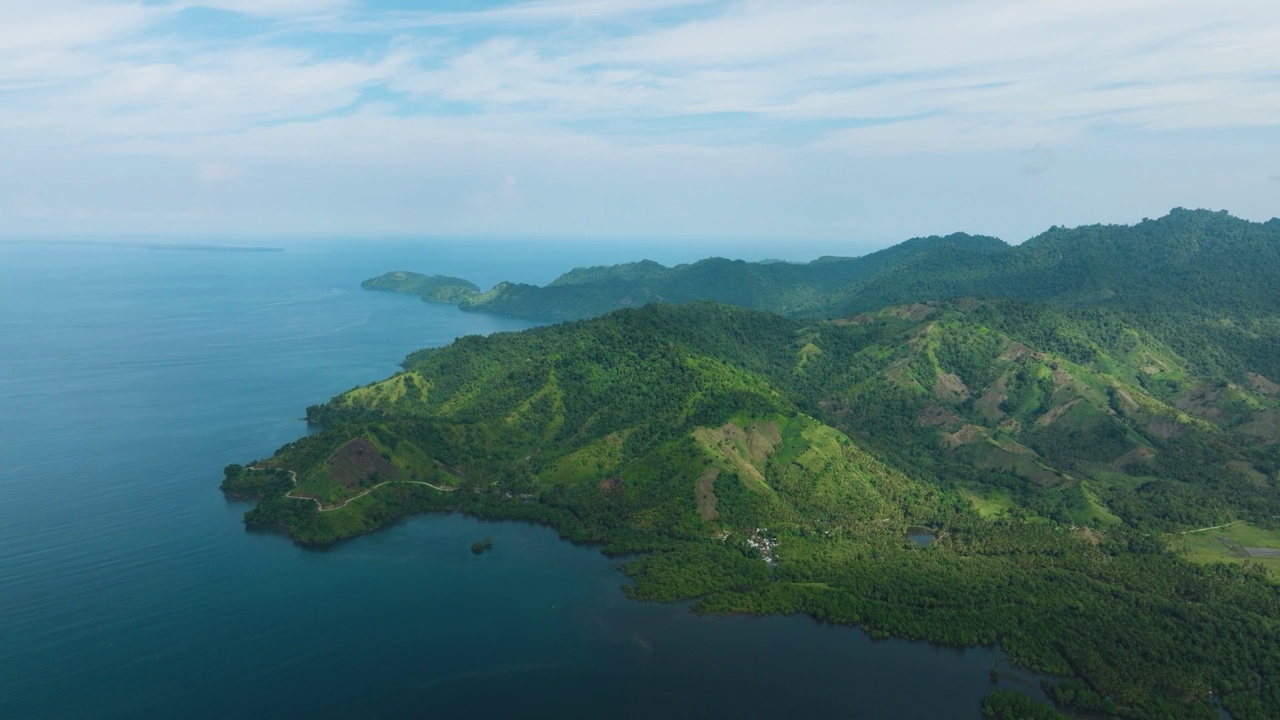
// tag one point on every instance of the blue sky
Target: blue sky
(839, 120)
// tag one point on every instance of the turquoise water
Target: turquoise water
(130, 588)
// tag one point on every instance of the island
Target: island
(480, 547)
(1096, 472)
(431, 288)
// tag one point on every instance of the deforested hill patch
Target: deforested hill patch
(358, 463)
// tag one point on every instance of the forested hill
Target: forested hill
(1207, 283)
(1189, 260)
(1064, 461)
(1202, 281)
(782, 287)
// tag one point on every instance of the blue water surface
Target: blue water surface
(129, 586)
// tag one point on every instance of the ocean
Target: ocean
(129, 586)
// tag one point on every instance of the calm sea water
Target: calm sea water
(129, 586)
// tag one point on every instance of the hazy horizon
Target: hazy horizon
(791, 249)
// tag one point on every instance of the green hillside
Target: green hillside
(1060, 456)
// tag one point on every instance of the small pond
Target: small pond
(921, 535)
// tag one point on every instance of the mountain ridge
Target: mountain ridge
(1203, 260)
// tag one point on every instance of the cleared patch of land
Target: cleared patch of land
(589, 462)
(990, 504)
(359, 462)
(707, 494)
(1238, 542)
(745, 450)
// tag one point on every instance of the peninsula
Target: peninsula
(1093, 444)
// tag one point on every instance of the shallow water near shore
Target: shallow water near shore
(130, 587)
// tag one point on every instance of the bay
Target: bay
(129, 586)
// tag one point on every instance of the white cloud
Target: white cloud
(32, 205)
(980, 68)
(938, 135)
(984, 69)
(216, 172)
(276, 8)
(1037, 159)
(715, 90)
(38, 28)
(497, 199)
(517, 14)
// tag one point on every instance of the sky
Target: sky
(855, 121)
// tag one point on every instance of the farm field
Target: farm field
(1238, 543)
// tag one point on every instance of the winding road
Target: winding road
(294, 477)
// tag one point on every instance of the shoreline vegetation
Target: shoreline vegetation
(1092, 445)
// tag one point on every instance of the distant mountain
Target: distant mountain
(1201, 281)
(788, 288)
